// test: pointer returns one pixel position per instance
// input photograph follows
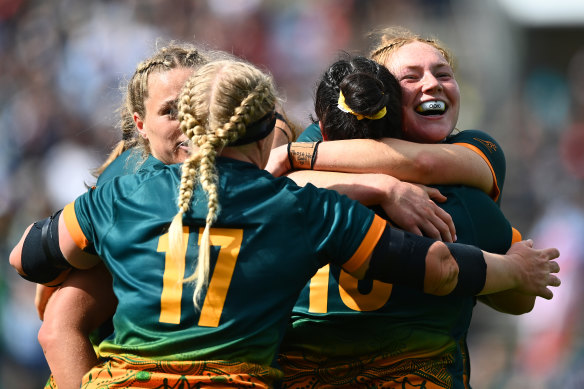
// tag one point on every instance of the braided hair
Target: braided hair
(216, 107)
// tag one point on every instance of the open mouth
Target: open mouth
(430, 108)
(185, 144)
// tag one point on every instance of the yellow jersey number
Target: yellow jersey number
(229, 242)
(349, 292)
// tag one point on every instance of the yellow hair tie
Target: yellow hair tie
(345, 108)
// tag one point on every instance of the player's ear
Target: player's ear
(139, 124)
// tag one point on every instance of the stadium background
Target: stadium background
(521, 72)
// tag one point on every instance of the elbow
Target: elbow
(426, 168)
(49, 335)
(15, 259)
(441, 275)
(46, 336)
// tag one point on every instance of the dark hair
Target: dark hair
(367, 87)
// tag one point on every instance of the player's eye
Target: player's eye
(171, 111)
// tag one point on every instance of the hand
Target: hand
(43, 294)
(535, 268)
(278, 163)
(412, 208)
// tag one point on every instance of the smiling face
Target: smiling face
(430, 93)
(160, 126)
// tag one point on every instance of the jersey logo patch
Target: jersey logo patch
(488, 144)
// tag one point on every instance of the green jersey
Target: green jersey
(129, 162)
(393, 321)
(269, 239)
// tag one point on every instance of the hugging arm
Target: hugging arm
(70, 312)
(79, 306)
(410, 206)
(408, 161)
(444, 268)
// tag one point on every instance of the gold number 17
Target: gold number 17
(229, 241)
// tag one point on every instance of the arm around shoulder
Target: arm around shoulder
(408, 161)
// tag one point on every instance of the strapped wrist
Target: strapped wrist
(302, 155)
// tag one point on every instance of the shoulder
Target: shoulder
(486, 147)
(129, 162)
(119, 166)
(157, 178)
(310, 134)
(476, 138)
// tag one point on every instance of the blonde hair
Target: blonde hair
(171, 56)
(388, 40)
(215, 106)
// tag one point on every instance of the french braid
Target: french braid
(215, 106)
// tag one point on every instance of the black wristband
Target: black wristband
(290, 156)
(472, 269)
(314, 152)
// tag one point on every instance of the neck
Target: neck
(246, 153)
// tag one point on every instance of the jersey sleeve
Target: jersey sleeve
(516, 235)
(342, 231)
(72, 223)
(90, 212)
(310, 134)
(489, 150)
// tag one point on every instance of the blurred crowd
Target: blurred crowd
(62, 63)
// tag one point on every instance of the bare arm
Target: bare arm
(80, 305)
(413, 162)
(509, 301)
(408, 205)
(72, 311)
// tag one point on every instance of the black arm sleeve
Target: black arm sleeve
(41, 258)
(472, 269)
(399, 258)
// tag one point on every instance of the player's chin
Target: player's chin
(428, 132)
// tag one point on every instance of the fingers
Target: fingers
(439, 225)
(447, 219)
(552, 253)
(434, 194)
(547, 294)
(554, 281)
(439, 230)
